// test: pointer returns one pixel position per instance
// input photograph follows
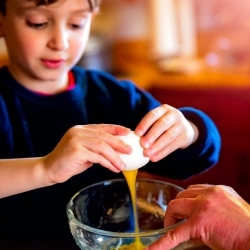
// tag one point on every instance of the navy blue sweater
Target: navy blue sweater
(31, 125)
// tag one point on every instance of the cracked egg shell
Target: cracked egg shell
(136, 159)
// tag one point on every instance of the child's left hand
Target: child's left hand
(165, 129)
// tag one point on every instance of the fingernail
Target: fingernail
(146, 144)
(139, 132)
(129, 149)
(122, 166)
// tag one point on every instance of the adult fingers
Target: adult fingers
(205, 185)
(177, 210)
(208, 188)
(172, 238)
(190, 193)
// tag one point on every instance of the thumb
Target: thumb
(172, 238)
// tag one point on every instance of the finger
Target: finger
(156, 155)
(211, 189)
(94, 157)
(106, 137)
(163, 126)
(178, 209)
(172, 238)
(102, 153)
(210, 186)
(172, 219)
(149, 119)
(190, 193)
(109, 128)
(164, 139)
(200, 186)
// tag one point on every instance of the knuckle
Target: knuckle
(207, 204)
(72, 131)
(101, 145)
(166, 106)
(73, 145)
(102, 125)
(155, 112)
(172, 235)
(171, 204)
(170, 238)
(214, 190)
(100, 135)
(164, 121)
(171, 134)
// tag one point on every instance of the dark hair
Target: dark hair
(92, 3)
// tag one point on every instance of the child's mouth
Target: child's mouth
(52, 64)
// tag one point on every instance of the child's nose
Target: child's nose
(59, 39)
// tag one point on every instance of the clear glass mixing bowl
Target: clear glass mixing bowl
(101, 216)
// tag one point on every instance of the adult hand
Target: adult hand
(165, 129)
(82, 146)
(215, 215)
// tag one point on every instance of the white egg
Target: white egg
(136, 159)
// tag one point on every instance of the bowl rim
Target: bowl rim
(72, 218)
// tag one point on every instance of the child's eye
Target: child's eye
(77, 26)
(36, 25)
(77, 23)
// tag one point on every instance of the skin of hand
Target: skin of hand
(82, 146)
(79, 148)
(215, 215)
(165, 129)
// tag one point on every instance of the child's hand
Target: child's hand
(81, 146)
(165, 129)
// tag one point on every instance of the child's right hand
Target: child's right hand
(81, 146)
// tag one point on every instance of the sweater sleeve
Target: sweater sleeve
(5, 132)
(198, 157)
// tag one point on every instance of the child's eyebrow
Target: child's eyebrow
(42, 8)
(23, 10)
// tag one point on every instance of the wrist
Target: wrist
(45, 170)
(196, 132)
(40, 172)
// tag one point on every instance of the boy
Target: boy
(44, 100)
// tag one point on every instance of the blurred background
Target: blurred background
(185, 53)
(207, 33)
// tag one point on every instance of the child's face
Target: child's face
(45, 41)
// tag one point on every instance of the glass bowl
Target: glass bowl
(101, 216)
